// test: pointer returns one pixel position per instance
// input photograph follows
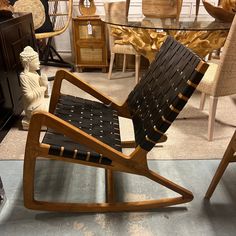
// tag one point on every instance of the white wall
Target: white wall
(64, 41)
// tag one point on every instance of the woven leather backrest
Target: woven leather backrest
(163, 91)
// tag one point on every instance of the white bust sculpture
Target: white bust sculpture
(34, 86)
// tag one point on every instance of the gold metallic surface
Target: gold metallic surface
(147, 41)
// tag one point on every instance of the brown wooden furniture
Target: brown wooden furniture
(15, 34)
(229, 156)
(89, 39)
(87, 132)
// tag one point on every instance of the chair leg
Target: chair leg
(110, 190)
(202, 101)
(28, 178)
(111, 65)
(197, 6)
(124, 63)
(211, 118)
(227, 158)
(137, 68)
(48, 54)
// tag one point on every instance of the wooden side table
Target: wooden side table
(89, 43)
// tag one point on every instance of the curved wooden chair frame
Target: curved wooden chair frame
(188, 72)
(229, 157)
(53, 14)
(56, 14)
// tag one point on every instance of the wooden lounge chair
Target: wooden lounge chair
(87, 132)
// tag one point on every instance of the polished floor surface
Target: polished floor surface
(186, 140)
(67, 182)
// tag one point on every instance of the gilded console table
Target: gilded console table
(201, 34)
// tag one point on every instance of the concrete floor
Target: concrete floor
(75, 182)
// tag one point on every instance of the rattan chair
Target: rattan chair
(229, 157)
(162, 9)
(87, 132)
(60, 13)
(219, 80)
(120, 10)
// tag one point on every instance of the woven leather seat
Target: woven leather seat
(87, 132)
(92, 117)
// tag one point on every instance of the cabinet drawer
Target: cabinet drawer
(88, 30)
(96, 32)
(89, 55)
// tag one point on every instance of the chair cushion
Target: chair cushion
(123, 49)
(43, 26)
(94, 118)
(47, 26)
(206, 85)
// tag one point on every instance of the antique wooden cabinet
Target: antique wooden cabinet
(15, 34)
(89, 40)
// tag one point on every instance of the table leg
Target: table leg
(197, 6)
(127, 7)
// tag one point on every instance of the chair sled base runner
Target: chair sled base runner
(104, 207)
(111, 205)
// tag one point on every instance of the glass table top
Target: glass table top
(184, 23)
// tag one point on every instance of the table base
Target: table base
(148, 41)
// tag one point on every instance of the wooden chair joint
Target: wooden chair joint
(181, 96)
(174, 109)
(190, 83)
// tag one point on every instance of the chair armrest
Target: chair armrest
(49, 120)
(66, 75)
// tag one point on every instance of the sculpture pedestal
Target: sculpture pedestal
(25, 125)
